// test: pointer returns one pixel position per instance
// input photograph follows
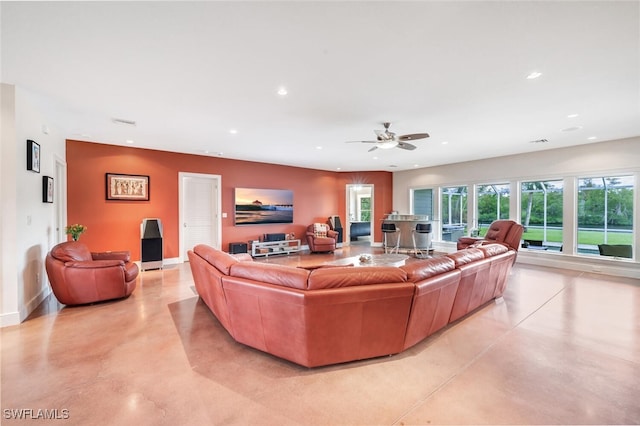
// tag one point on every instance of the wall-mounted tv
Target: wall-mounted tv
(263, 206)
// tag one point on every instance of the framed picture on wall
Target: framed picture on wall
(47, 189)
(127, 187)
(33, 156)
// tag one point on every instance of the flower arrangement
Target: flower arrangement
(75, 231)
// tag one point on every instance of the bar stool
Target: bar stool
(423, 233)
(389, 229)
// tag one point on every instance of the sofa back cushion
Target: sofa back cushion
(498, 230)
(71, 251)
(349, 276)
(220, 260)
(491, 250)
(418, 271)
(462, 257)
(271, 273)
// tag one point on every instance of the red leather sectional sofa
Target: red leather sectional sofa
(339, 314)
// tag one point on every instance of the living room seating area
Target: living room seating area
(336, 314)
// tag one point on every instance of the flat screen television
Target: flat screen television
(263, 206)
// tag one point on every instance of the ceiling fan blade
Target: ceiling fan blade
(361, 142)
(408, 146)
(413, 136)
(373, 149)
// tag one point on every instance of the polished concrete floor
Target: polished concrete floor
(561, 347)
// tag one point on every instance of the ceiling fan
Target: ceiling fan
(386, 139)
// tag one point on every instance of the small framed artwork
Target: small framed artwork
(127, 187)
(47, 189)
(33, 156)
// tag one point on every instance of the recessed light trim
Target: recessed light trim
(592, 138)
(233, 131)
(534, 75)
(572, 115)
(571, 129)
(129, 141)
(282, 91)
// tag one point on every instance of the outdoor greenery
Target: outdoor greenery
(365, 209)
(488, 203)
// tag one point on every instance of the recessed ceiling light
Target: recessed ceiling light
(534, 75)
(572, 129)
(592, 138)
(572, 115)
(318, 147)
(129, 141)
(375, 158)
(282, 91)
(416, 165)
(338, 168)
(445, 142)
(233, 131)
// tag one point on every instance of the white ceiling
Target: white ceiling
(189, 72)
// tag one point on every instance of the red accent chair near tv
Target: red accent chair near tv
(78, 276)
(506, 232)
(321, 240)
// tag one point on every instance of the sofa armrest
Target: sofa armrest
(123, 255)
(94, 264)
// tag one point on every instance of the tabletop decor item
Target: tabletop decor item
(75, 231)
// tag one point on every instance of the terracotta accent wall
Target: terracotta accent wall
(115, 225)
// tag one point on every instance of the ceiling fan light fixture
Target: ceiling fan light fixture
(387, 144)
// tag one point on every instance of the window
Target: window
(364, 208)
(423, 202)
(493, 204)
(454, 212)
(605, 212)
(541, 213)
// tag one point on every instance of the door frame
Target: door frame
(60, 199)
(182, 176)
(347, 229)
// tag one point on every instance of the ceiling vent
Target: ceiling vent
(123, 121)
(539, 141)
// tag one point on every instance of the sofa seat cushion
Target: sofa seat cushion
(348, 276)
(462, 257)
(220, 260)
(286, 276)
(418, 271)
(324, 241)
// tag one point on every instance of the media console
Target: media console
(267, 248)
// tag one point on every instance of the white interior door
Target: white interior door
(200, 217)
(60, 200)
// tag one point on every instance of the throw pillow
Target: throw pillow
(320, 230)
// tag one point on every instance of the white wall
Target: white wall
(28, 224)
(604, 158)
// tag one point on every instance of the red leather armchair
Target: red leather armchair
(318, 241)
(78, 276)
(505, 232)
